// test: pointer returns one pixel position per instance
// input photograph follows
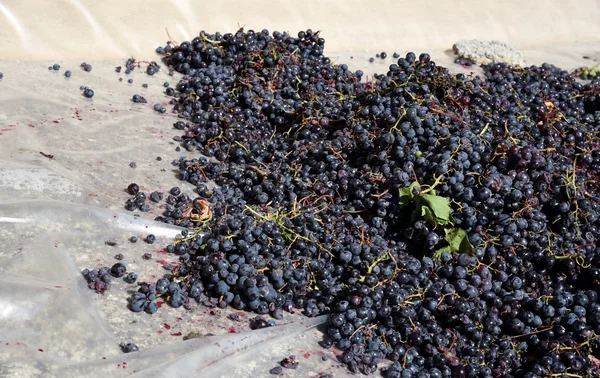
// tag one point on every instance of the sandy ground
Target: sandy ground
(48, 320)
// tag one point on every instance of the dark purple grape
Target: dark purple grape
(130, 278)
(276, 370)
(151, 308)
(133, 189)
(129, 347)
(89, 93)
(118, 270)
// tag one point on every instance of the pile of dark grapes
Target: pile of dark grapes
(131, 64)
(464, 62)
(445, 223)
(98, 279)
(86, 67)
(586, 73)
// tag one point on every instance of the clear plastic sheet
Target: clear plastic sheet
(59, 209)
(53, 325)
(111, 29)
(56, 214)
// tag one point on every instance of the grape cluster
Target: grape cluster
(446, 223)
(131, 64)
(138, 201)
(463, 61)
(171, 292)
(259, 323)
(139, 99)
(86, 66)
(159, 108)
(289, 362)
(98, 279)
(586, 73)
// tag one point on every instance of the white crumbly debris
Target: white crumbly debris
(485, 52)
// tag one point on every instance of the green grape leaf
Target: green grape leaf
(459, 241)
(406, 194)
(440, 207)
(438, 253)
(426, 213)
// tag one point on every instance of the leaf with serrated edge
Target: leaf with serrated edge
(439, 206)
(453, 238)
(458, 241)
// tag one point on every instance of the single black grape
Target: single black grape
(118, 270)
(151, 308)
(129, 347)
(130, 278)
(276, 370)
(138, 304)
(133, 189)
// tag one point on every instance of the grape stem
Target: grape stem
(438, 180)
